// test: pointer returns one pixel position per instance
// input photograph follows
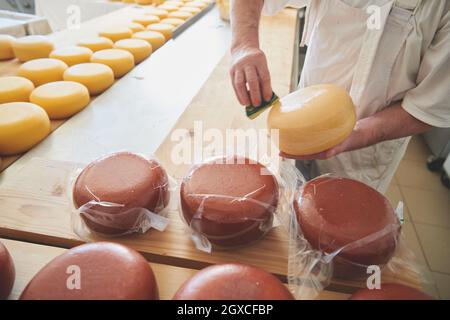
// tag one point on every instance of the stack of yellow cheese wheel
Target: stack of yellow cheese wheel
(140, 49)
(144, 2)
(72, 55)
(6, 47)
(41, 71)
(146, 19)
(165, 29)
(155, 39)
(96, 43)
(96, 77)
(160, 13)
(15, 89)
(120, 61)
(32, 47)
(116, 33)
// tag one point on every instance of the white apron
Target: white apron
(364, 71)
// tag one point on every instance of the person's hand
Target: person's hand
(250, 76)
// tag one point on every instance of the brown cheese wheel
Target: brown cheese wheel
(390, 291)
(7, 272)
(230, 201)
(94, 271)
(336, 212)
(122, 178)
(233, 281)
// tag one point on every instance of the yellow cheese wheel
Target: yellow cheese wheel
(72, 55)
(155, 39)
(32, 47)
(41, 71)
(192, 10)
(160, 13)
(184, 15)
(174, 3)
(15, 89)
(173, 21)
(140, 49)
(144, 2)
(116, 33)
(165, 29)
(135, 27)
(197, 4)
(120, 61)
(6, 49)
(168, 7)
(130, 1)
(22, 126)
(313, 119)
(96, 77)
(96, 43)
(61, 99)
(146, 19)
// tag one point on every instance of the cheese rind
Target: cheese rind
(116, 33)
(140, 49)
(155, 39)
(313, 119)
(22, 126)
(6, 49)
(165, 29)
(61, 99)
(15, 89)
(72, 55)
(120, 61)
(135, 27)
(96, 43)
(96, 77)
(32, 47)
(41, 71)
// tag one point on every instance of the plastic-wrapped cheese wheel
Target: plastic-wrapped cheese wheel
(22, 126)
(184, 15)
(96, 43)
(7, 272)
(155, 39)
(140, 49)
(72, 55)
(94, 271)
(15, 89)
(348, 218)
(146, 19)
(165, 29)
(162, 14)
(116, 33)
(41, 71)
(96, 77)
(230, 200)
(32, 47)
(173, 21)
(6, 49)
(192, 10)
(120, 61)
(61, 99)
(135, 27)
(233, 281)
(128, 180)
(313, 119)
(390, 291)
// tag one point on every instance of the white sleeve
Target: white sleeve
(272, 7)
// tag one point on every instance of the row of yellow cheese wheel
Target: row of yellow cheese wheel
(57, 83)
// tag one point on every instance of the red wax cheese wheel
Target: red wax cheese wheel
(126, 179)
(7, 272)
(334, 213)
(390, 291)
(94, 271)
(230, 201)
(233, 281)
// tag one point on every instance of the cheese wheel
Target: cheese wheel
(175, 3)
(96, 77)
(32, 47)
(160, 13)
(155, 39)
(120, 61)
(144, 2)
(229, 200)
(96, 43)
(44, 70)
(122, 178)
(72, 55)
(15, 89)
(22, 126)
(333, 221)
(165, 29)
(146, 19)
(192, 10)
(390, 291)
(168, 7)
(173, 21)
(135, 27)
(233, 281)
(6, 49)
(116, 33)
(312, 119)
(196, 4)
(94, 271)
(184, 15)
(61, 99)
(140, 49)
(7, 272)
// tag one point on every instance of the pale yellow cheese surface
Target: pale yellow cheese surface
(196, 4)
(61, 99)
(15, 89)
(312, 119)
(96, 43)
(146, 19)
(41, 71)
(173, 21)
(135, 27)
(168, 7)
(165, 29)
(32, 47)
(72, 55)
(140, 49)
(96, 77)
(22, 126)
(174, 3)
(192, 10)
(155, 39)
(156, 12)
(116, 33)
(144, 2)
(6, 50)
(184, 15)
(120, 61)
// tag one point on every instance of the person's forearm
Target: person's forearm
(245, 16)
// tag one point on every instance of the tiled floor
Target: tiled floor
(427, 216)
